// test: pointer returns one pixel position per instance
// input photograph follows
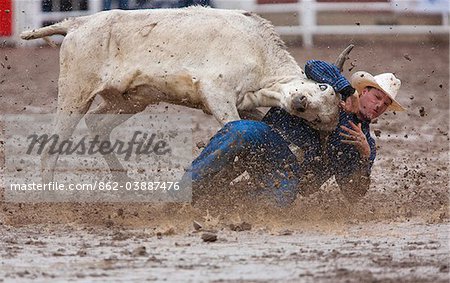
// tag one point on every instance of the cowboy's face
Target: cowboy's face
(373, 102)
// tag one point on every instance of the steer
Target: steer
(224, 62)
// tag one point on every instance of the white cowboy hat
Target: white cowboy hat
(386, 82)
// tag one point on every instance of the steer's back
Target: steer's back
(206, 40)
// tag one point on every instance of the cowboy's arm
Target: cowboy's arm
(324, 72)
(353, 174)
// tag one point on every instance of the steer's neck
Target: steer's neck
(266, 97)
(271, 94)
(282, 64)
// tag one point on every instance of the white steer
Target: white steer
(221, 61)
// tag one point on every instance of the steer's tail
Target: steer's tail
(58, 28)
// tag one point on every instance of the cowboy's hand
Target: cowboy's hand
(324, 72)
(351, 104)
(356, 137)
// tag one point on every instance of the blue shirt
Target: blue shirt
(325, 155)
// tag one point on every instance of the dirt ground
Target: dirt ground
(398, 232)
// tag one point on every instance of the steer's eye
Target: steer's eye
(323, 87)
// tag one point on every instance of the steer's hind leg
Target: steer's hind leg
(71, 108)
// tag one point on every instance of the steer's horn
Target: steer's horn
(342, 57)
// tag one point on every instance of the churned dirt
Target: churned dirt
(398, 232)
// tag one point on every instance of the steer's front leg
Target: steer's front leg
(221, 104)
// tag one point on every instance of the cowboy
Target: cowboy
(263, 148)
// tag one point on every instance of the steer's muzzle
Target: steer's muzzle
(300, 103)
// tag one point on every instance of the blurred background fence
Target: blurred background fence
(303, 18)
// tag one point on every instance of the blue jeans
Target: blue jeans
(253, 147)
(123, 4)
